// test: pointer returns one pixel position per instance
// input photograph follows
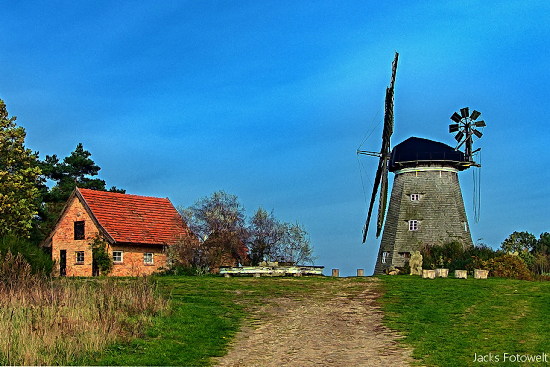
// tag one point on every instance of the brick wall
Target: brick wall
(440, 214)
(63, 239)
(133, 262)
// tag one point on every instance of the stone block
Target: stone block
(481, 274)
(428, 274)
(441, 273)
(461, 274)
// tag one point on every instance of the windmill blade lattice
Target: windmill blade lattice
(466, 126)
(381, 178)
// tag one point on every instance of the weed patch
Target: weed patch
(47, 322)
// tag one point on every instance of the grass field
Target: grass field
(446, 321)
(206, 312)
(449, 321)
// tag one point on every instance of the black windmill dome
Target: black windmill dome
(414, 151)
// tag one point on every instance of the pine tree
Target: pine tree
(19, 178)
(76, 170)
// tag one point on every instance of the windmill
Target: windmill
(426, 205)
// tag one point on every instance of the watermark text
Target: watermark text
(511, 357)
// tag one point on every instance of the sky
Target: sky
(270, 100)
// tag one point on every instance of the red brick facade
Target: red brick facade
(63, 239)
(152, 223)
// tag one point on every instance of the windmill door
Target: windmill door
(62, 262)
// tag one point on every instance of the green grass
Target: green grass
(447, 321)
(206, 312)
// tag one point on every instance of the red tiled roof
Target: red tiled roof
(135, 219)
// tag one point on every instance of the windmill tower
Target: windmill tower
(426, 205)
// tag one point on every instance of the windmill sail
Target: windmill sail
(381, 178)
(373, 198)
(382, 202)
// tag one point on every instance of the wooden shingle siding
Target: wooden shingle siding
(440, 213)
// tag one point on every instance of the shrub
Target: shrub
(451, 255)
(454, 256)
(184, 270)
(100, 256)
(188, 257)
(406, 269)
(509, 266)
(39, 261)
(541, 264)
(479, 255)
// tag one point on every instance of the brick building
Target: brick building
(137, 229)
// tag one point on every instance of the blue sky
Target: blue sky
(269, 100)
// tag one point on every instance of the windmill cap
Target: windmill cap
(419, 151)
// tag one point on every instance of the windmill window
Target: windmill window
(118, 256)
(148, 258)
(384, 256)
(79, 257)
(415, 197)
(405, 255)
(79, 230)
(413, 225)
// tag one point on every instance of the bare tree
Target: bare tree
(272, 240)
(266, 236)
(218, 221)
(296, 247)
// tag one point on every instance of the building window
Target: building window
(117, 256)
(384, 256)
(79, 257)
(79, 230)
(415, 197)
(148, 258)
(405, 255)
(413, 225)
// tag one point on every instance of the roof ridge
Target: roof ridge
(107, 193)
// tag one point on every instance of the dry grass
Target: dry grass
(52, 322)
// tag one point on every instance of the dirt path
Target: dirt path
(340, 326)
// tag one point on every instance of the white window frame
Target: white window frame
(76, 257)
(121, 257)
(413, 225)
(415, 197)
(384, 256)
(146, 256)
